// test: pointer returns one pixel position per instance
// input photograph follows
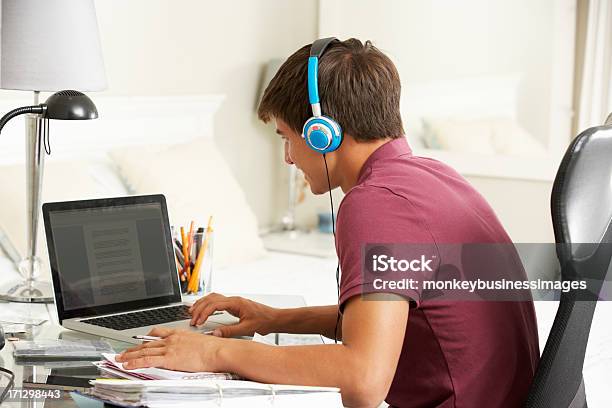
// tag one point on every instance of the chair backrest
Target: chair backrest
(581, 207)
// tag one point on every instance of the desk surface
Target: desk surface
(51, 330)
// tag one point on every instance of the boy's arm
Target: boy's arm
(256, 317)
(309, 320)
(363, 366)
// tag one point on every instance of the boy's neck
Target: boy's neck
(352, 158)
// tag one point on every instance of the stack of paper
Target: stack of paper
(166, 393)
(113, 368)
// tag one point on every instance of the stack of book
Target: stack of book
(202, 393)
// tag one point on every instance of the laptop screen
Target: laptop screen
(110, 255)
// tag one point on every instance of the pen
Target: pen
(178, 244)
(179, 256)
(146, 338)
(199, 235)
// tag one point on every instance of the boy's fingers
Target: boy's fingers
(198, 310)
(211, 297)
(148, 361)
(201, 313)
(143, 352)
(150, 344)
(161, 332)
(234, 330)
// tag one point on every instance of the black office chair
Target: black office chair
(581, 207)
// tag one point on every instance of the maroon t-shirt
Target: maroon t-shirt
(455, 353)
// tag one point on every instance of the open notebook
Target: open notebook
(113, 368)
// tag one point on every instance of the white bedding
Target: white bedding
(314, 278)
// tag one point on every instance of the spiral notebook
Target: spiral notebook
(110, 366)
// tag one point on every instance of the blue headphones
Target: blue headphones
(321, 133)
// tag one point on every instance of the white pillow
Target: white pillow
(197, 183)
(509, 138)
(458, 135)
(488, 136)
(62, 181)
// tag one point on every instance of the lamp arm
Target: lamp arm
(39, 109)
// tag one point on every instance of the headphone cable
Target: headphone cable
(331, 203)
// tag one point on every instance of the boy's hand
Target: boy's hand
(180, 350)
(254, 317)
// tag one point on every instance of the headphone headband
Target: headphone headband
(318, 47)
(316, 51)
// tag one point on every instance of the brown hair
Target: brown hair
(359, 88)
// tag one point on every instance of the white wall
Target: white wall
(445, 40)
(166, 47)
(522, 206)
(163, 47)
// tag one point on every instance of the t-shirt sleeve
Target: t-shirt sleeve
(374, 215)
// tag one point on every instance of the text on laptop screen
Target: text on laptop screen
(111, 255)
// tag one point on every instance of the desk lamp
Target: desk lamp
(46, 45)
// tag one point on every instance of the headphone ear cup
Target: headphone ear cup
(322, 134)
(337, 134)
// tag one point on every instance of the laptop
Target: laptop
(113, 268)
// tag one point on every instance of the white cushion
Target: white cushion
(62, 181)
(511, 139)
(457, 135)
(197, 183)
(487, 136)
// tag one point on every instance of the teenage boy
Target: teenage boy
(409, 352)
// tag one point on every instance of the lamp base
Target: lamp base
(27, 292)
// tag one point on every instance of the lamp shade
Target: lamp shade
(49, 45)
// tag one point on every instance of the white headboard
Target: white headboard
(123, 121)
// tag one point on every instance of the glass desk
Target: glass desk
(39, 370)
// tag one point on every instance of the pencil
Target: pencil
(193, 283)
(191, 231)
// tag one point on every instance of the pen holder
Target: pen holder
(197, 280)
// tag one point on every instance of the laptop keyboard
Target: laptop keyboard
(142, 318)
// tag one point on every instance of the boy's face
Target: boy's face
(305, 159)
